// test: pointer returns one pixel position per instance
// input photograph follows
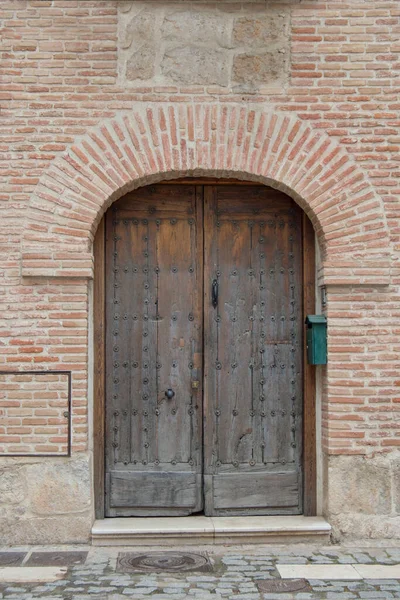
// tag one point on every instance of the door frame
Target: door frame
(309, 378)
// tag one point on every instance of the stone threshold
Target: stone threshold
(197, 530)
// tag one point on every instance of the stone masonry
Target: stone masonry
(102, 96)
(241, 47)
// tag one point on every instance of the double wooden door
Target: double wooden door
(204, 352)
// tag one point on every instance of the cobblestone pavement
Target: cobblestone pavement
(236, 573)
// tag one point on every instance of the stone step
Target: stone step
(197, 530)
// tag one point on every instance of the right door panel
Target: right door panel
(253, 352)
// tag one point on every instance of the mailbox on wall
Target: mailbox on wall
(316, 339)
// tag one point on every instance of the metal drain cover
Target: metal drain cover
(170, 562)
(280, 586)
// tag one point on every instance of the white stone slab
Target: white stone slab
(276, 524)
(208, 530)
(328, 572)
(159, 525)
(31, 574)
(378, 571)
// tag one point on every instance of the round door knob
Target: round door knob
(170, 394)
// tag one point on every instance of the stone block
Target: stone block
(141, 63)
(138, 30)
(396, 484)
(254, 69)
(359, 485)
(59, 487)
(137, 38)
(12, 485)
(260, 30)
(196, 26)
(195, 65)
(362, 527)
(63, 529)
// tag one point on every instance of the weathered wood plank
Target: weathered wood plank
(210, 331)
(150, 490)
(256, 490)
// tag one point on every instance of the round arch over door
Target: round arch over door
(258, 284)
(156, 141)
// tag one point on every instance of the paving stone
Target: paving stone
(89, 597)
(246, 596)
(362, 558)
(390, 586)
(375, 595)
(281, 596)
(378, 571)
(328, 572)
(317, 560)
(49, 559)
(99, 581)
(11, 558)
(30, 574)
(343, 595)
(360, 585)
(298, 560)
(161, 597)
(346, 560)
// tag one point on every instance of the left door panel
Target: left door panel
(154, 352)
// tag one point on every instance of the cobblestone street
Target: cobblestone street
(234, 572)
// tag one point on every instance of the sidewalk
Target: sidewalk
(220, 573)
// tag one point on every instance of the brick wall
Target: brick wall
(59, 70)
(34, 413)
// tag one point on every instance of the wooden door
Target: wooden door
(154, 334)
(250, 306)
(253, 352)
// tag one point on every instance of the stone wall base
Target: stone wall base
(362, 497)
(49, 501)
(45, 500)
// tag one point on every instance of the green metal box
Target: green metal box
(316, 339)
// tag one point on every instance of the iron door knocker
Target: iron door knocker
(214, 293)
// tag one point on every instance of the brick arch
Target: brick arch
(161, 141)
